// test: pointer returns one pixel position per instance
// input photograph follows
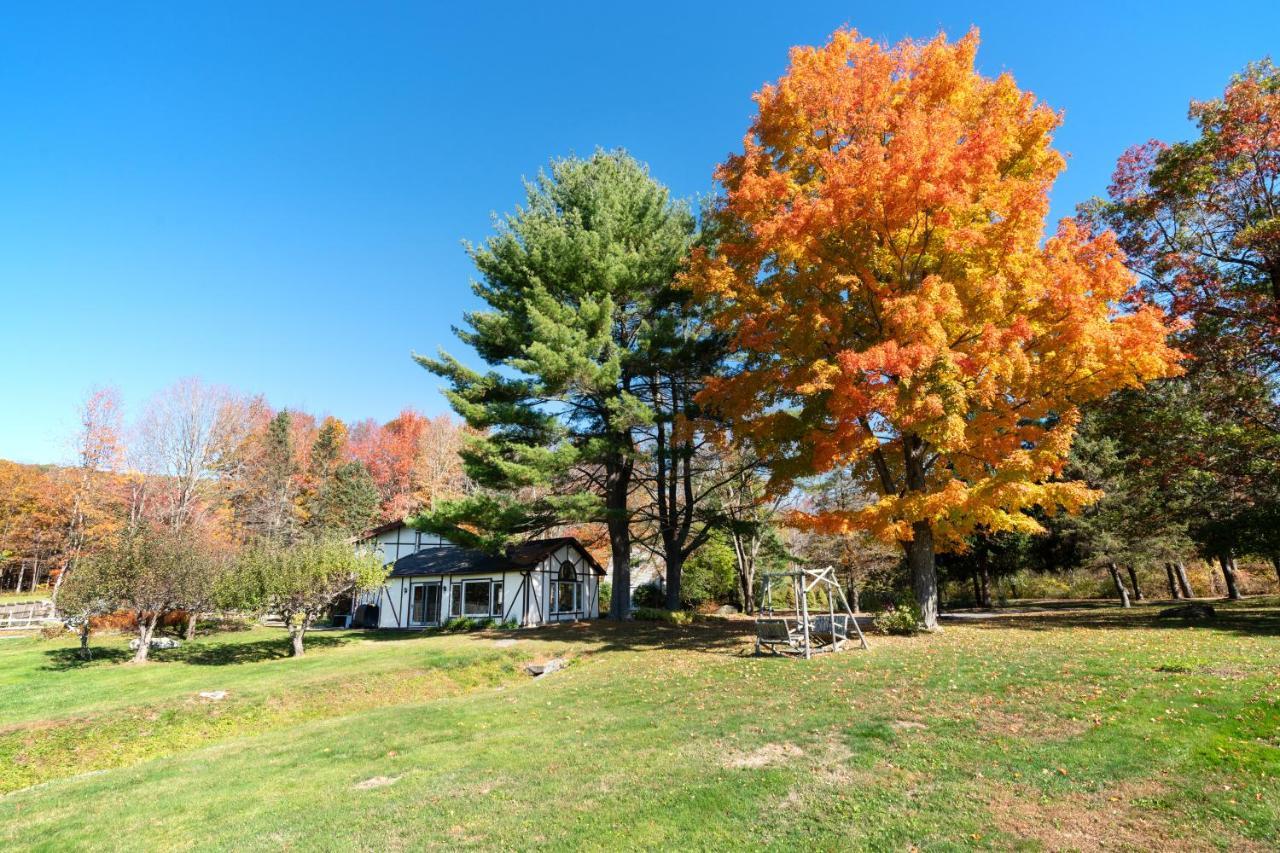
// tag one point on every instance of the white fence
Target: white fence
(25, 615)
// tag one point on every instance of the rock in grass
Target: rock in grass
(1188, 611)
(156, 643)
(537, 670)
(215, 695)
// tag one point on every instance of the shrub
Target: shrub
(53, 630)
(509, 625)
(902, 619)
(710, 573)
(459, 624)
(648, 595)
(606, 596)
(657, 614)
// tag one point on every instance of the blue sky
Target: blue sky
(272, 195)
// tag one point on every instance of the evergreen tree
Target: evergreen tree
(572, 281)
(273, 509)
(347, 502)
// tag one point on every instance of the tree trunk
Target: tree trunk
(85, 654)
(675, 568)
(1180, 570)
(1229, 575)
(984, 578)
(1275, 561)
(617, 489)
(146, 628)
(1133, 578)
(1120, 589)
(924, 573)
(920, 556)
(1173, 583)
(192, 617)
(977, 590)
(297, 633)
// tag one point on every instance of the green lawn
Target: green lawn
(1075, 728)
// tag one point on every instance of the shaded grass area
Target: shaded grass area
(1078, 728)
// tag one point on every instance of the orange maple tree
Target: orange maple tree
(882, 272)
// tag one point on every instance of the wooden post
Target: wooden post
(804, 613)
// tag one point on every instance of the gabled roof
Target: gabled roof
(447, 560)
(383, 528)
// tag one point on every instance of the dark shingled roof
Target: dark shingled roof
(449, 560)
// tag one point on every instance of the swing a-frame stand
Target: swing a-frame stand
(804, 631)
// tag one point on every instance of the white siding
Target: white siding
(527, 596)
(547, 575)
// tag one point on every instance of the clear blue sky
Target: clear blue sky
(272, 195)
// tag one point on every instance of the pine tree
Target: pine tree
(347, 502)
(571, 280)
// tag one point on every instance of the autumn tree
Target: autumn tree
(99, 447)
(1200, 223)
(268, 477)
(570, 282)
(883, 272)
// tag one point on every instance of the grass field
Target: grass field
(1076, 728)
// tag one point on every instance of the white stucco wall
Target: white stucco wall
(529, 603)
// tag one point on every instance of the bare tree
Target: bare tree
(98, 448)
(185, 431)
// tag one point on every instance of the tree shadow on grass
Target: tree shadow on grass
(61, 660)
(716, 636)
(1252, 617)
(229, 653)
(210, 652)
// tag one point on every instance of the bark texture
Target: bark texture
(1228, 565)
(924, 574)
(1184, 583)
(1133, 580)
(1121, 591)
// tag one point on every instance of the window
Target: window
(566, 592)
(455, 600)
(477, 598)
(497, 599)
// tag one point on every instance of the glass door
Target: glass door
(417, 604)
(433, 604)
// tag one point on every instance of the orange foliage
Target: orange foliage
(883, 274)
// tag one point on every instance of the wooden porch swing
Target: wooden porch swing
(799, 631)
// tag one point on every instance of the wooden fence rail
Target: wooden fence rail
(25, 615)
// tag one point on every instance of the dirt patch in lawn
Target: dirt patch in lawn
(765, 756)
(1118, 817)
(376, 782)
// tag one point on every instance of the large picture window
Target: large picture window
(477, 598)
(566, 596)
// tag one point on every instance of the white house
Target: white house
(433, 580)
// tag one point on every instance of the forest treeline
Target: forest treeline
(222, 469)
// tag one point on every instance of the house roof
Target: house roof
(463, 561)
(383, 528)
